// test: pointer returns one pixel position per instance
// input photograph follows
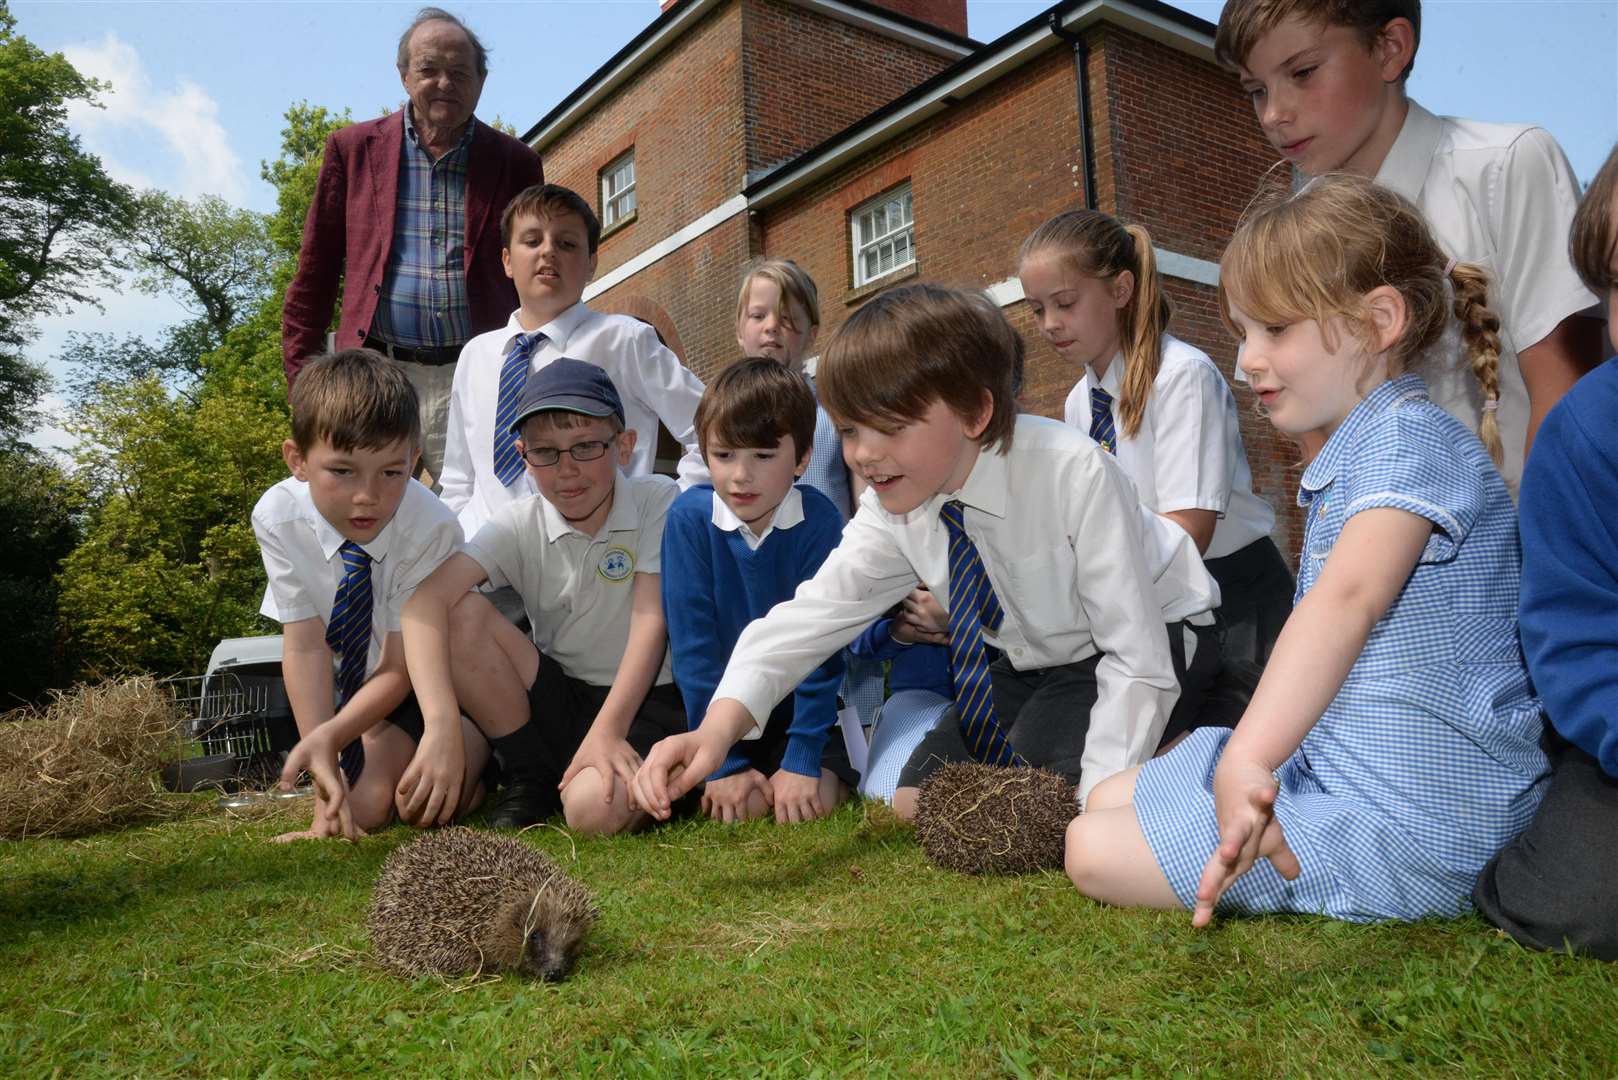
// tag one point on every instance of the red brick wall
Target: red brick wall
(983, 175)
(683, 115)
(809, 76)
(1179, 150)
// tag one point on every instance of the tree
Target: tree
(215, 257)
(169, 563)
(38, 504)
(60, 213)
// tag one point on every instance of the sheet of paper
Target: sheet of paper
(859, 751)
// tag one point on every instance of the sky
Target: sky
(199, 89)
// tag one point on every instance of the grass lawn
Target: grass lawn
(194, 948)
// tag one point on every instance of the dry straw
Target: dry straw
(976, 819)
(88, 761)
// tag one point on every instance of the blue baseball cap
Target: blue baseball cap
(565, 385)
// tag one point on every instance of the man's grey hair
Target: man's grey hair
(432, 14)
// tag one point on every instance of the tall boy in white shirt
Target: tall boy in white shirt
(1328, 84)
(569, 712)
(1029, 529)
(345, 540)
(549, 237)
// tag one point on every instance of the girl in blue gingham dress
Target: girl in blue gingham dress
(1392, 746)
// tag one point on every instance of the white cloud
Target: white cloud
(151, 136)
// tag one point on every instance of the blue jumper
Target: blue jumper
(714, 585)
(915, 667)
(1569, 597)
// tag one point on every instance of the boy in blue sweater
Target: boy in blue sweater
(731, 552)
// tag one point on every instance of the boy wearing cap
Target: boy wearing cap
(569, 713)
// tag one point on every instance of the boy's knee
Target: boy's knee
(468, 624)
(904, 803)
(587, 811)
(371, 806)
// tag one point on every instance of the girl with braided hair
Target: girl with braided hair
(1392, 745)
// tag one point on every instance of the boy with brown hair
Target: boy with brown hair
(549, 236)
(1059, 588)
(731, 552)
(1327, 80)
(568, 712)
(346, 539)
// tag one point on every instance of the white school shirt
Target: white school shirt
(1064, 541)
(579, 589)
(300, 547)
(1502, 196)
(1188, 453)
(650, 380)
(788, 512)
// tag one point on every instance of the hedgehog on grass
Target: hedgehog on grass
(979, 819)
(459, 902)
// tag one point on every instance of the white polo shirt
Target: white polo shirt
(788, 512)
(1188, 453)
(300, 547)
(578, 589)
(1501, 196)
(654, 385)
(1078, 564)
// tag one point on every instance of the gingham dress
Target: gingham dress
(1427, 761)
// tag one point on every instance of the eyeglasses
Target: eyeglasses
(543, 457)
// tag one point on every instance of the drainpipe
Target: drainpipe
(1081, 71)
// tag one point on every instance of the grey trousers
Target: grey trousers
(1556, 885)
(433, 384)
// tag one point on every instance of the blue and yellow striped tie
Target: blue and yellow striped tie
(348, 631)
(1101, 429)
(972, 606)
(513, 378)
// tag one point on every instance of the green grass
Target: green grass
(195, 948)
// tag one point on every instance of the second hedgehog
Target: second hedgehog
(459, 902)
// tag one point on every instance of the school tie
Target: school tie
(972, 606)
(1101, 429)
(348, 632)
(513, 377)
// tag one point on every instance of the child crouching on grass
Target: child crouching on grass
(568, 712)
(1392, 746)
(733, 551)
(346, 539)
(1058, 594)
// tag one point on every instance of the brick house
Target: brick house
(875, 143)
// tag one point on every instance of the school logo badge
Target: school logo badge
(616, 564)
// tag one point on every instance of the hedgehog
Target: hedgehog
(978, 819)
(459, 902)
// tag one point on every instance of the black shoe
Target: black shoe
(522, 803)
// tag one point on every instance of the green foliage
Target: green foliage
(216, 258)
(180, 439)
(60, 214)
(38, 502)
(834, 949)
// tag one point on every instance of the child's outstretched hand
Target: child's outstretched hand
(333, 816)
(1244, 803)
(675, 766)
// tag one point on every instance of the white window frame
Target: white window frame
(613, 211)
(894, 237)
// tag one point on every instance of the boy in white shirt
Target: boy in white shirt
(569, 712)
(345, 540)
(1031, 531)
(549, 237)
(1328, 84)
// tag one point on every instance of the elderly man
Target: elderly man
(407, 213)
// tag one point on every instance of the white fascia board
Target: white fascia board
(972, 79)
(671, 243)
(1169, 264)
(1145, 23)
(624, 71)
(888, 28)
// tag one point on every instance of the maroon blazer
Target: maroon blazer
(349, 231)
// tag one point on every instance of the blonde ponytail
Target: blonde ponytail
(1141, 325)
(1480, 330)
